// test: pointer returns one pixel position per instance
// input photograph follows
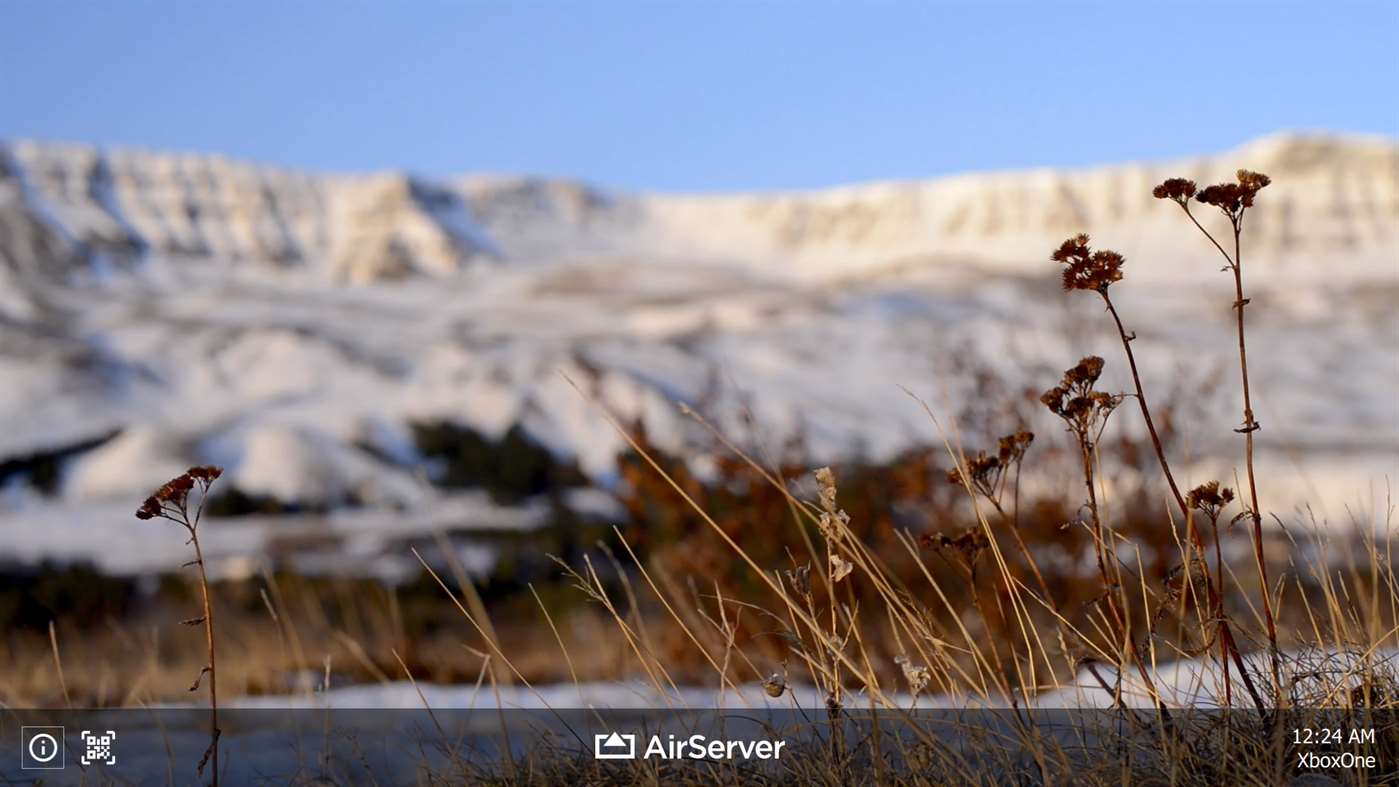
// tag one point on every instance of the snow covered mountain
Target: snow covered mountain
(67, 205)
(158, 310)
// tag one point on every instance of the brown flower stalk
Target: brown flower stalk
(1086, 412)
(833, 523)
(989, 475)
(1093, 271)
(1210, 499)
(172, 502)
(1233, 200)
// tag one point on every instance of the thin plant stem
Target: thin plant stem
(1250, 426)
(209, 638)
(1216, 602)
(1235, 266)
(1219, 581)
(1112, 588)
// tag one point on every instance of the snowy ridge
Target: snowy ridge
(116, 208)
(293, 327)
(1333, 197)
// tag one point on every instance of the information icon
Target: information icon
(41, 748)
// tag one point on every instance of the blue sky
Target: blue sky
(699, 96)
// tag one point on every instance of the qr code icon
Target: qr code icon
(98, 748)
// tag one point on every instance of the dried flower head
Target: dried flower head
(918, 676)
(1178, 189)
(981, 472)
(1086, 371)
(1253, 181)
(832, 520)
(1013, 447)
(840, 568)
(800, 578)
(1075, 248)
(1085, 410)
(1210, 498)
(985, 473)
(149, 509)
(171, 500)
(826, 487)
(832, 525)
(1234, 198)
(968, 543)
(1086, 269)
(207, 473)
(775, 685)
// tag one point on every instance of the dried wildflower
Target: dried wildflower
(775, 685)
(1086, 371)
(840, 568)
(1234, 198)
(801, 578)
(826, 486)
(149, 509)
(918, 676)
(832, 525)
(1073, 249)
(1085, 410)
(968, 543)
(981, 472)
(984, 473)
(207, 473)
(1013, 447)
(1177, 189)
(1253, 181)
(832, 521)
(1086, 269)
(171, 500)
(1210, 498)
(176, 489)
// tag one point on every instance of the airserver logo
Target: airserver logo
(614, 747)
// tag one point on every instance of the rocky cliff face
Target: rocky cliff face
(63, 207)
(1331, 197)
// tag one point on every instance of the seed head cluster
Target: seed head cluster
(968, 543)
(1231, 198)
(1075, 401)
(984, 472)
(918, 676)
(1179, 190)
(174, 495)
(1210, 498)
(1086, 269)
(833, 521)
(800, 577)
(775, 685)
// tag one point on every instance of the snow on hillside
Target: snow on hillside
(292, 326)
(1181, 683)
